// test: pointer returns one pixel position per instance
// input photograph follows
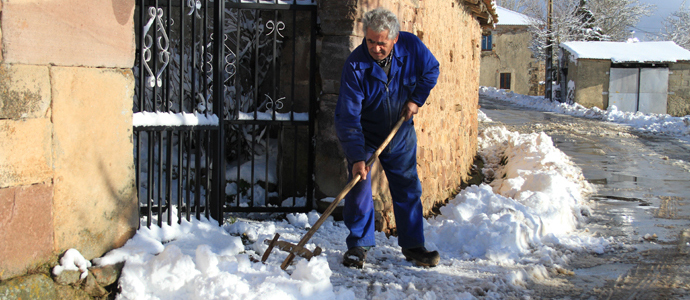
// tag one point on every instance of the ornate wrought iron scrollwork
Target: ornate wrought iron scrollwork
(272, 26)
(278, 103)
(194, 7)
(155, 15)
(230, 58)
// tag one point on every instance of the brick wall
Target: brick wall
(446, 125)
(66, 166)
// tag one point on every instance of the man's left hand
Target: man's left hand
(410, 109)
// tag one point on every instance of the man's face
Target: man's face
(378, 43)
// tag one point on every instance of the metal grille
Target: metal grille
(224, 107)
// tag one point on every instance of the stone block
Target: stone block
(25, 152)
(37, 286)
(67, 277)
(24, 91)
(95, 195)
(26, 228)
(107, 275)
(69, 33)
(330, 171)
(92, 287)
(338, 17)
(325, 121)
(335, 50)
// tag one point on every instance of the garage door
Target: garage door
(634, 89)
(623, 88)
(653, 90)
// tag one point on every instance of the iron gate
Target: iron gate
(250, 151)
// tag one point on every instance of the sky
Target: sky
(494, 239)
(652, 24)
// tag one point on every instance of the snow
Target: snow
(172, 119)
(482, 117)
(648, 123)
(278, 116)
(509, 17)
(193, 119)
(621, 52)
(72, 260)
(298, 2)
(493, 238)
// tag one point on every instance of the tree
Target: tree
(615, 17)
(527, 7)
(588, 31)
(592, 20)
(676, 27)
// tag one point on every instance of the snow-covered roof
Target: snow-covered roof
(622, 52)
(509, 17)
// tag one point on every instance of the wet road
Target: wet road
(642, 201)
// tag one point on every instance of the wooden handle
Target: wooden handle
(342, 194)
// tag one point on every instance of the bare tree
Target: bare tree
(528, 7)
(592, 20)
(615, 17)
(676, 27)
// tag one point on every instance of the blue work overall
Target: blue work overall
(369, 104)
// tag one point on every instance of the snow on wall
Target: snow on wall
(172, 119)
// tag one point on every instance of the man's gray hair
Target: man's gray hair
(381, 19)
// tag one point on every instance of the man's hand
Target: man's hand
(409, 110)
(360, 168)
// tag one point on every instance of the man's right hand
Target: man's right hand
(360, 168)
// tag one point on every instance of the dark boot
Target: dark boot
(422, 257)
(355, 257)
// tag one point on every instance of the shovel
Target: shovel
(299, 249)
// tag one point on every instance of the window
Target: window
(487, 42)
(505, 81)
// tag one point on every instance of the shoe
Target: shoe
(421, 256)
(355, 257)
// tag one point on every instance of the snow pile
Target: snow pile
(200, 260)
(493, 239)
(481, 117)
(72, 260)
(648, 123)
(536, 192)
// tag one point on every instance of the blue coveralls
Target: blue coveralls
(369, 105)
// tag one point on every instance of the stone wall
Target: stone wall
(66, 157)
(591, 81)
(679, 89)
(511, 54)
(446, 125)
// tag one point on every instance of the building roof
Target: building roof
(622, 52)
(509, 17)
(484, 11)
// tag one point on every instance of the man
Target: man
(389, 76)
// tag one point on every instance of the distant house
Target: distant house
(507, 62)
(650, 77)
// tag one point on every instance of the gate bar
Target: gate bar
(218, 192)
